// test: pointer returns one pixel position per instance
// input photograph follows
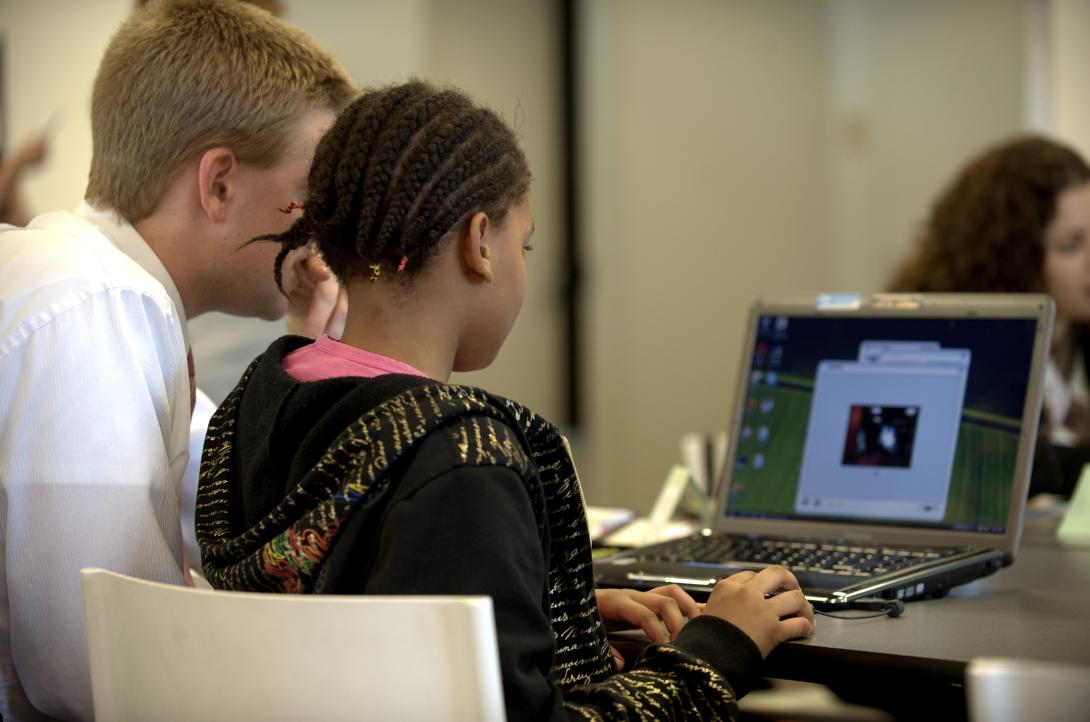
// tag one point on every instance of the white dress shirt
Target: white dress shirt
(1060, 395)
(94, 396)
(187, 501)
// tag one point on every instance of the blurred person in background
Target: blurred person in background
(1016, 219)
(30, 153)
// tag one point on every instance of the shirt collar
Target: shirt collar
(132, 244)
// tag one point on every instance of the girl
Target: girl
(353, 467)
(1017, 219)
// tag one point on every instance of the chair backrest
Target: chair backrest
(162, 652)
(1019, 690)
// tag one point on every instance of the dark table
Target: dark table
(914, 665)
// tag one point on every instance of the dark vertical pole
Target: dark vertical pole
(571, 219)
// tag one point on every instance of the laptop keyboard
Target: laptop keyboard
(798, 556)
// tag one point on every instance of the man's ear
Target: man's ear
(215, 182)
(476, 251)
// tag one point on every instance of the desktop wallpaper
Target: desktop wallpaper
(780, 389)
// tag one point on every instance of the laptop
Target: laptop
(880, 447)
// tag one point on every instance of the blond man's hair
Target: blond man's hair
(274, 6)
(183, 76)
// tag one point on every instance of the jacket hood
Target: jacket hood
(284, 426)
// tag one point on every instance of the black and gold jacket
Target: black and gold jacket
(401, 485)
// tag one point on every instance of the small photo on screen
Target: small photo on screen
(880, 435)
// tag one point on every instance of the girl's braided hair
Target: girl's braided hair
(401, 167)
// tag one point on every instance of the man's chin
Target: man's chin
(274, 310)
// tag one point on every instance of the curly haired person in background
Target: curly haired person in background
(1017, 219)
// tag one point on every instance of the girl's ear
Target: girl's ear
(476, 251)
(215, 181)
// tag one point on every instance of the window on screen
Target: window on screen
(882, 433)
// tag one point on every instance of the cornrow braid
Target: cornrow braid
(389, 173)
(416, 172)
(294, 237)
(464, 185)
(402, 167)
(330, 202)
(340, 201)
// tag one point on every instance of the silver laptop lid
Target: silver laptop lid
(892, 418)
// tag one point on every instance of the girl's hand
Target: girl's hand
(318, 305)
(660, 612)
(767, 605)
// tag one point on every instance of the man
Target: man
(205, 115)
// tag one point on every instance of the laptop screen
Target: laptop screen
(904, 421)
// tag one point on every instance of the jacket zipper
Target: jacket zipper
(578, 483)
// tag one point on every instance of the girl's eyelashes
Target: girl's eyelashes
(527, 247)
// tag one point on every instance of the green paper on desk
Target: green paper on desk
(1075, 527)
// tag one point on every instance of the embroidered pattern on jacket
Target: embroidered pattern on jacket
(284, 552)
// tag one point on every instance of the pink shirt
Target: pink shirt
(328, 359)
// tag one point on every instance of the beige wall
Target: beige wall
(706, 167)
(915, 88)
(749, 148)
(1070, 67)
(51, 52)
